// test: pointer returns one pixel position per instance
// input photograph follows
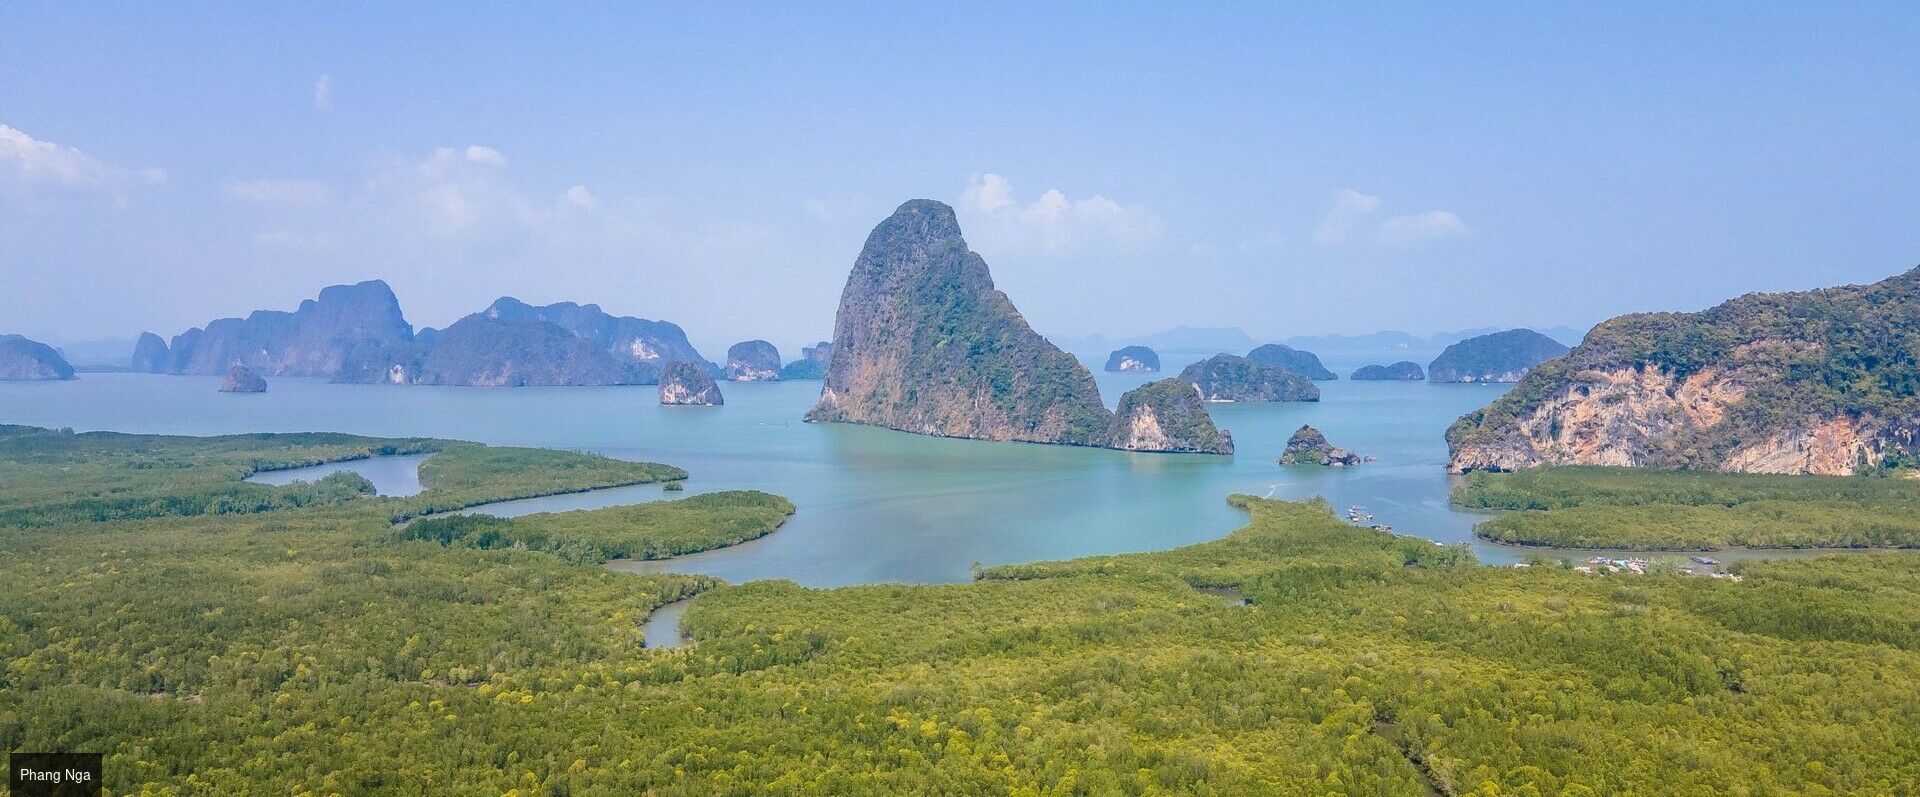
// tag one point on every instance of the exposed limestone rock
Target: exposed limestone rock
(1766, 383)
(1308, 446)
(1224, 377)
(23, 359)
(515, 344)
(1133, 359)
(1167, 415)
(753, 361)
(241, 379)
(318, 339)
(687, 382)
(924, 343)
(1499, 357)
(150, 354)
(812, 364)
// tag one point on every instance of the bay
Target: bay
(874, 505)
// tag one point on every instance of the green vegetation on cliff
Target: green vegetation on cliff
(1497, 357)
(1225, 377)
(1585, 507)
(312, 650)
(1304, 363)
(1770, 366)
(924, 343)
(1167, 415)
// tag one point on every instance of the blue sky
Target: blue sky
(1123, 168)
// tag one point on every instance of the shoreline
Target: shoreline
(1753, 549)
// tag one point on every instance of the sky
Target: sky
(1123, 168)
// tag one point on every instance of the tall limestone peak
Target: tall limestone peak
(924, 343)
(318, 339)
(150, 354)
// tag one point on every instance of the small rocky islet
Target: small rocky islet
(753, 361)
(1304, 363)
(1308, 446)
(1497, 357)
(1227, 377)
(688, 383)
(1406, 370)
(1133, 360)
(1167, 415)
(241, 379)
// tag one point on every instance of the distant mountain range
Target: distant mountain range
(1391, 340)
(356, 333)
(1215, 340)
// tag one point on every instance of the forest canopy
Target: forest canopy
(1633, 508)
(315, 650)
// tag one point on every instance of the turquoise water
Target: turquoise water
(874, 505)
(397, 475)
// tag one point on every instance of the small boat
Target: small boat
(1704, 560)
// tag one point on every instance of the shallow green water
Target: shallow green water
(874, 505)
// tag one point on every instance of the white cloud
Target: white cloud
(31, 168)
(279, 192)
(1350, 208)
(486, 155)
(582, 198)
(1417, 227)
(1053, 223)
(31, 161)
(323, 93)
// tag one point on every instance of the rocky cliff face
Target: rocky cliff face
(150, 354)
(1821, 382)
(1133, 359)
(924, 343)
(1304, 363)
(1224, 377)
(514, 344)
(23, 359)
(1167, 415)
(687, 382)
(318, 339)
(1405, 369)
(241, 379)
(753, 361)
(1498, 357)
(1308, 446)
(642, 345)
(812, 363)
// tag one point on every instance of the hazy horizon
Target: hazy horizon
(1286, 171)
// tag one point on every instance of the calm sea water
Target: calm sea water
(874, 505)
(395, 476)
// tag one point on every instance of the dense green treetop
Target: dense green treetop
(1587, 507)
(317, 650)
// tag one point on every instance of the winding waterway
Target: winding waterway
(874, 505)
